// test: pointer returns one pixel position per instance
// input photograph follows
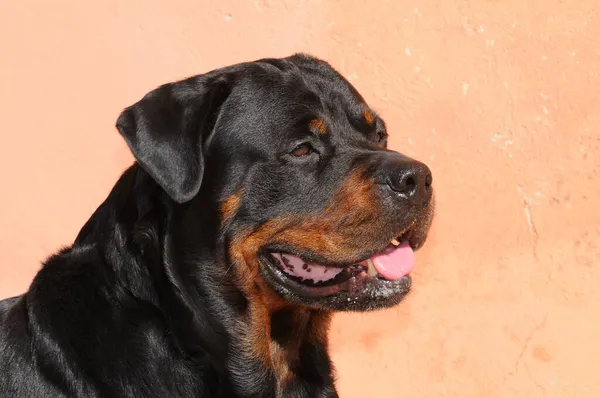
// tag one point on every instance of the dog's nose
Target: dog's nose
(411, 180)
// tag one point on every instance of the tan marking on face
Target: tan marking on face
(230, 206)
(368, 116)
(318, 126)
(352, 208)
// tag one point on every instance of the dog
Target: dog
(262, 199)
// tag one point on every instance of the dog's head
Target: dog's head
(310, 203)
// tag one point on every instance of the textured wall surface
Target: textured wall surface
(501, 99)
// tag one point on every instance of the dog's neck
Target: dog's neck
(296, 337)
(266, 344)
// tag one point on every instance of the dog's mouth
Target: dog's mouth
(392, 263)
(386, 272)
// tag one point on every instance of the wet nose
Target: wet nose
(411, 180)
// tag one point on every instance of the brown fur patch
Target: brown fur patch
(261, 298)
(368, 115)
(230, 206)
(352, 208)
(318, 328)
(281, 363)
(304, 327)
(318, 126)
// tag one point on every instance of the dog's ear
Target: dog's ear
(166, 131)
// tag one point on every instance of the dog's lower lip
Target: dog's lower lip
(353, 280)
(353, 285)
(313, 275)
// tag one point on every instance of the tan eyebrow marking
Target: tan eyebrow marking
(318, 126)
(368, 115)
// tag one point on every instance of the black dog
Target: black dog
(262, 200)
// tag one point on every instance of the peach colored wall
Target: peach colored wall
(500, 98)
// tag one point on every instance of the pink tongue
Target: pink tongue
(395, 262)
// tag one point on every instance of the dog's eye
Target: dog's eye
(381, 137)
(303, 149)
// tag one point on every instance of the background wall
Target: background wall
(499, 98)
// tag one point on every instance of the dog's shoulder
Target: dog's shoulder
(78, 332)
(18, 374)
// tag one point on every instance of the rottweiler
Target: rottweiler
(262, 199)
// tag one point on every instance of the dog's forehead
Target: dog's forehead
(296, 87)
(274, 97)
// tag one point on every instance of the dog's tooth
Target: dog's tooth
(371, 271)
(395, 242)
